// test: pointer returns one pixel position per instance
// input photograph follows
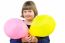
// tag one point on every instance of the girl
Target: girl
(29, 12)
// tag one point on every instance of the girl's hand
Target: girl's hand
(31, 39)
(34, 39)
(28, 38)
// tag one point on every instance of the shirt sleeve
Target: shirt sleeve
(15, 41)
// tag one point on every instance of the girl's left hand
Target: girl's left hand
(34, 39)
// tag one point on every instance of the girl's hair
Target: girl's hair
(29, 5)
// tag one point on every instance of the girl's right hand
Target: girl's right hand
(27, 38)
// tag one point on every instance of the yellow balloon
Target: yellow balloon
(42, 25)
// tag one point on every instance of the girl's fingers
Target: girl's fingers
(28, 38)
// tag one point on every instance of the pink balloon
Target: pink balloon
(15, 28)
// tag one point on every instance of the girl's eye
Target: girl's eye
(24, 11)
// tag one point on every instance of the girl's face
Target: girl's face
(28, 14)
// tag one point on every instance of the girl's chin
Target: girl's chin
(29, 19)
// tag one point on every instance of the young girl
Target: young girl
(29, 12)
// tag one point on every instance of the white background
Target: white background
(55, 8)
